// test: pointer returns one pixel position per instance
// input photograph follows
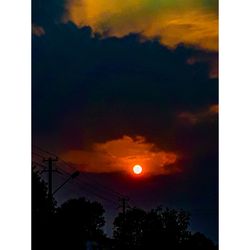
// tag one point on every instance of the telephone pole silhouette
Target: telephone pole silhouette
(50, 170)
(124, 201)
(124, 205)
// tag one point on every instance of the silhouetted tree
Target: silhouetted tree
(157, 229)
(129, 229)
(199, 241)
(79, 221)
(166, 228)
(70, 226)
(78, 224)
(41, 212)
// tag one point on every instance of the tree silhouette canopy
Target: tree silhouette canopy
(40, 211)
(69, 226)
(79, 221)
(78, 224)
(157, 229)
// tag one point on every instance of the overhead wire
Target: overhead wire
(36, 154)
(86, 186)
(103, 187)
(92, 187)
(43, 150)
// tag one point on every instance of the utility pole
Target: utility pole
(124, 205)
(124, 201)
(50, 161)
(49, 219)
(50, 170)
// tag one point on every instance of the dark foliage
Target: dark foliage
(72, 226)
(79, 221)
(40, 211)
(157, 229)
(77, 225)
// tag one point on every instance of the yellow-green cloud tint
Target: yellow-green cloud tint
(193, 22)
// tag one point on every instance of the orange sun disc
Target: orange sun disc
(137, 169)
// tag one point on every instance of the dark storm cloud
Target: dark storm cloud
(87, 89)
(45, 12)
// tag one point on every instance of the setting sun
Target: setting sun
(137, 169)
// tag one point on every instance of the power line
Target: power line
(89, 182)
(38, 164)
(108, 189)
(95, 193)
(90, 187)
(43, 150)
(36, 154)
(102, 190)
(67, 165)
(72, 176)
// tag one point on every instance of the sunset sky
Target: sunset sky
(119, 83)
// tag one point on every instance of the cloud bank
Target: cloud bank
(190, 22)
(89, 90)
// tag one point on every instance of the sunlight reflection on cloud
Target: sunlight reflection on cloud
(120, 155)
(188, 21)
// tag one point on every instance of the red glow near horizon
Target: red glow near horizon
(121, 155)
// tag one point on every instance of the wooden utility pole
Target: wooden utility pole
(50, 161)
(124, 206)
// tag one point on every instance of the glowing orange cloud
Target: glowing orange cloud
(214, 109)
(173, 21)
(121, 155)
